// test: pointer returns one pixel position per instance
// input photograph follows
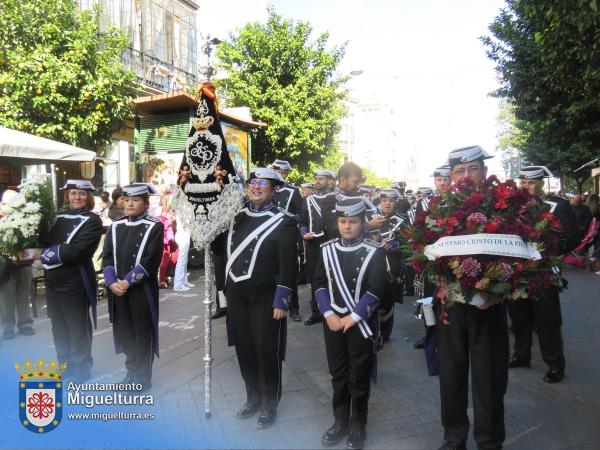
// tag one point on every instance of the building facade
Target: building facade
(369, 137)
(163, 50)
(163, 54)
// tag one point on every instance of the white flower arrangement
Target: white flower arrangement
(25, 216)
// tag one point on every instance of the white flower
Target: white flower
(17, 200)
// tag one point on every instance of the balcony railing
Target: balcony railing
(158, 74)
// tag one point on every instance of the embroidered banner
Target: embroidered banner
(483, 244)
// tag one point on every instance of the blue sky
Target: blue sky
(422, 58)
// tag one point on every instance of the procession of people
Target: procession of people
(347, 240)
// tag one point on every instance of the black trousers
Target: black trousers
(312, 249)
(259, 341)
(479, 339)
(294, 305)
(132, 325)
(386, 325)
(68, 309)
(543, 313)
(350, 360)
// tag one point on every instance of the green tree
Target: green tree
(59, 76)
(372, 179)
(289, 81)
(547, 55)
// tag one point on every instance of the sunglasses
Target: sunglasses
(258, 182)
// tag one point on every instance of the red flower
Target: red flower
(493, 225)
(448, 223)
(502, 194)
(476, 197)
(509, 210)
(418, 265)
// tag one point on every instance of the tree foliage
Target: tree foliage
(372, 179)
(547, 55)
(289, 81)
(59, 77)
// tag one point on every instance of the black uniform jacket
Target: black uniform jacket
(289, 198)
(73, 239)
(420, 205)
(311, 217)
(328, 203)
(402, 206)
(388, 232)
(351, 278)
(132, 251)
(262, 251)
(563, 211)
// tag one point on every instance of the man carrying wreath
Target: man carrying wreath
(475, 337)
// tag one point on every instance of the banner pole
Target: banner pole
(208, 283)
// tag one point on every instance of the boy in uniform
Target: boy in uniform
(131, 258)
(350, 281)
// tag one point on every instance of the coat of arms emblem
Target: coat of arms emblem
(40, 395)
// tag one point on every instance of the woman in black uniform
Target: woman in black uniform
(261, 274)
(71, 279)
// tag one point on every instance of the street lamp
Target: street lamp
(207, 49)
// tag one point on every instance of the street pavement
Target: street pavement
(404, 404)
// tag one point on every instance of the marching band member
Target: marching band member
(475, 337)
(441, 181)
(333, 180)
(350, 280)
(71, 279)
(395, 258)
(289, 198)
(424, 195)
(543, 313)
(307, 189)
(312, 231)
(349, 181)
(261, 273)
(402, 205)
(288, 195)
(132, 253)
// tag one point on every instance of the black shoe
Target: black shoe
(334, 434)
(315, 318)
(419, 344)
(515, 361)
(265, 419)
(295, 315)
(554, 376)
(449, 445)
(248, 410)
(356, 438)
(220, 312)
(8, 335)
(27, 331)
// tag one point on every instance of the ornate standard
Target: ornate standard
(208, 358)
(207, 202)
